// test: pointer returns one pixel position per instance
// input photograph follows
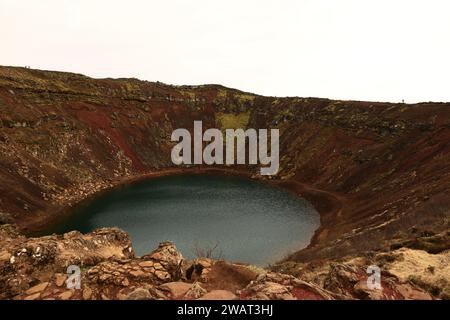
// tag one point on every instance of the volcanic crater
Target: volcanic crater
(378, 173)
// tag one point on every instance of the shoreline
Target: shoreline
(327, 205)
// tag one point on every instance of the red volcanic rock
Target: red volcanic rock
(109, 271)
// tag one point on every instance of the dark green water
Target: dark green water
(249, 221)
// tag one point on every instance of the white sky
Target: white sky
(385, 50)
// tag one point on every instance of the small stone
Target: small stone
(93, 271)
(137, 274)
(60, 279)
(66, 295)
(162, 275)
(362, 290)
(121, 296)
(139, 294)
(158, 266)
(87, 293)
(157, 256)
(176, 289)
(157, 294)
(33, 296)
(37, 288)
(219, 295)
(195, 292)
(105, 277)
(146, 264)
(125, 282)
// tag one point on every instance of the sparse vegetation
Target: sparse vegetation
(209, 252)
(233, 121)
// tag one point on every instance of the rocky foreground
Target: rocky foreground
(36, 268)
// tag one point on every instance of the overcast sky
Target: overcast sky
(382, 50)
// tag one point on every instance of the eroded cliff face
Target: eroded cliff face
(379, 173)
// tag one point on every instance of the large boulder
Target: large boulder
(168, 256)
(25, 262)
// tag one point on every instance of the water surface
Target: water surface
(249, 221)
